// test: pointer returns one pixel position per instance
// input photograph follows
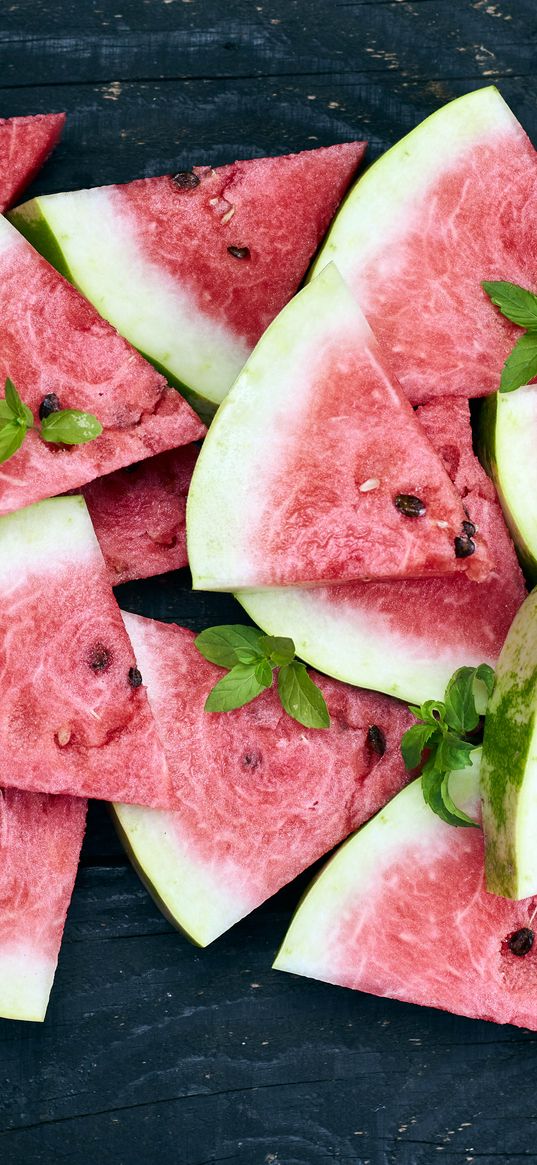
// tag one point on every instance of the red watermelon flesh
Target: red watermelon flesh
(40, 840)
(75, 718)
(138, 515)
(408, 637)
(52, 340)
(257, 797)
(402, 911)
(25, 144)
(452, 204)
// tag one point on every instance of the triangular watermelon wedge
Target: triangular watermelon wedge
(25, 144)
(453, 203)
(138, 514)
(316, 469)
(257, 797)
(53, 341)
(408, 637)
(40, 840)
(75, 717)
(401, 910)
(192, 268)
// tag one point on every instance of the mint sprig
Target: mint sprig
(61, 427)
(520, 306)
(251, 659)
(447, 732)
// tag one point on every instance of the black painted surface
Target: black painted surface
(154, 1051)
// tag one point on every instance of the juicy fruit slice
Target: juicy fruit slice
(315, 469)
(509, 768)
(25, 144)
(138, 515)
(257, 797)
(75, 718)
(508, 427)
(51, 340)
(40, 840)
(407, 638)
(402, 911)
(451, 204)
(192, 269)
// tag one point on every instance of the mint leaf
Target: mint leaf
(415, 740)
(515, 303)
(16, 407)
(461, 818)
(278, 649)
(300, 697)
(432, 712)
(263, 673)
(432, 787)
(483, 687)
(453, 753)
(222, 645)
(12, 435)
(521, 364)
(70, 427)
(461, 714)
(238, 688)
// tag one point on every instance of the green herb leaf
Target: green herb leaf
(12, 435)
(432, 787)
(521, 364)
(483, 687)
(16, 407)
(263, 673)
(461, 818)
(70, 427)
(515, 303)
(236, 689)
(461, 714)
(415, 740)
(222, 645)
(432, 712)
(453, 753)
(301, 698)
(278, 649)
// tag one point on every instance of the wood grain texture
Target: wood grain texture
(155, 1053)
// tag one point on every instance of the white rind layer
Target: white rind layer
(389, 195)
(406, 823)
(516, 463)
(26, 980)
(356, 645)
(197, 897)
(139, 298)
(228, 492)
(42, 537)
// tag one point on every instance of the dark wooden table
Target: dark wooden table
(153, 1051)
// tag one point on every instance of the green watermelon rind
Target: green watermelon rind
(511, 469)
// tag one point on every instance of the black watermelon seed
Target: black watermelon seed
(135, 677)
(469, 529)
(464, 546)
(49, 404)
(252, 760)
(521, 942)
(100, 658)
(409, 505)
(239, 252)
(376, 739)
(186, 180)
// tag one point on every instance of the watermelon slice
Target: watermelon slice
(75, 718)
(316, 470)
(192, 269)
(401, 910)
(453, 203)
(508, 427)
(258, 798)
(407, 638)
(40, 840)
(138, 515)
(52, 340)
(25, 144)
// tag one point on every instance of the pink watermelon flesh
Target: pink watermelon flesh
(52, 340)
(257, 797)
(427, 932)
(25, 144)
(73, 718)
(138, 515)
(40, 840)
(281, 208)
